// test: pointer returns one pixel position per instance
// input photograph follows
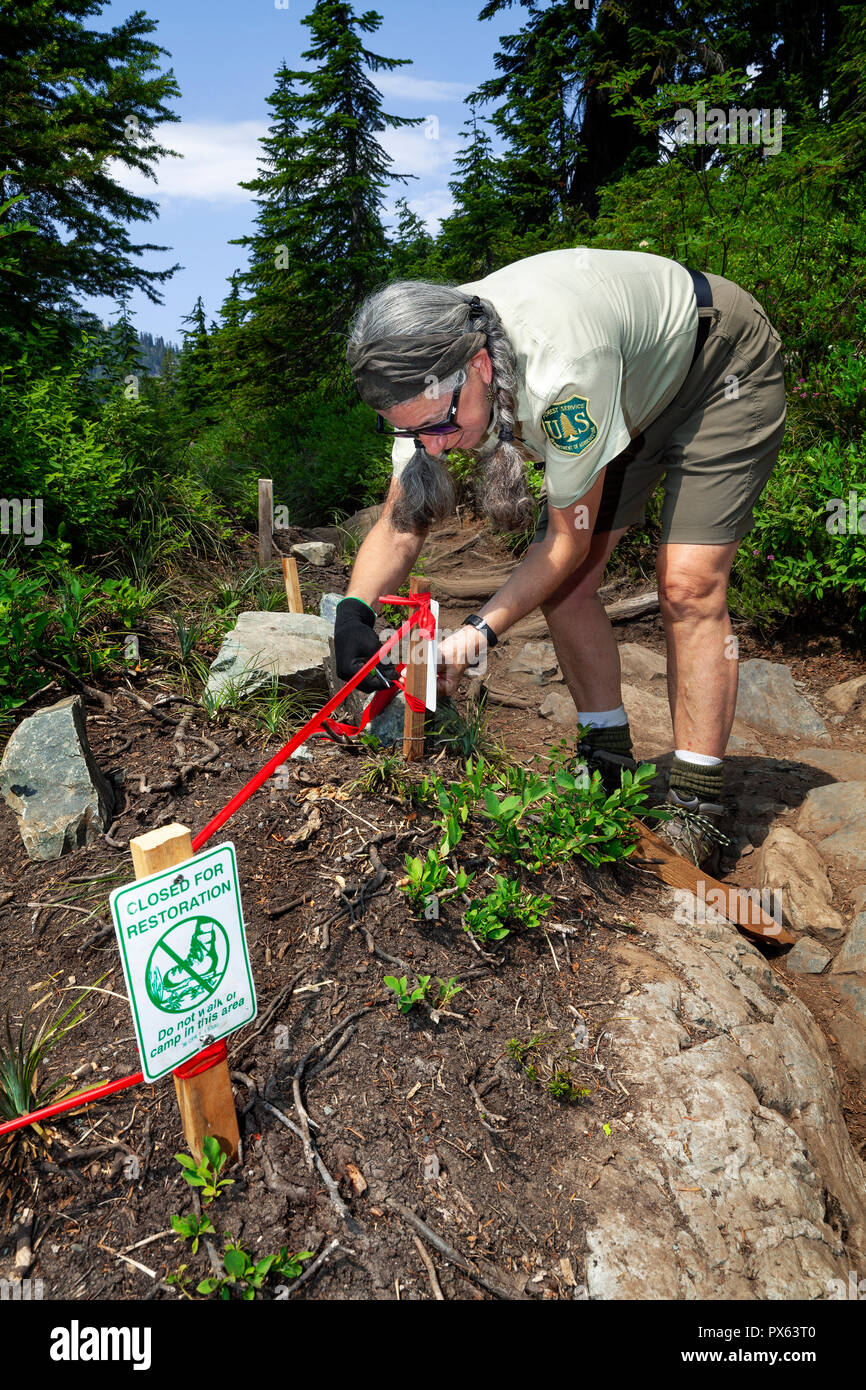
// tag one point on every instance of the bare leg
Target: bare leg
(702, 664)
(581, 631)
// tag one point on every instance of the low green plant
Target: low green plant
(22, 1056)
(466, 734)
(385, 774)
(424, 877)
(508, 903)
(192, 1228)
(206, 1175)
(448, 990)
(547, 1070)
(244, 1277)
(407, 998)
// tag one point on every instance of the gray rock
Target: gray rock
(831, 808)
(649, 718)
(808, 957)
(643, 666)
(537, 660)
(847, 847)
(842, 763)
(328, 606)
(558, 707)
(858, 897)
(50, 779)
(849, 697)
(851, 960)
(361, 523)
(853, 988)
(850, 1034)
(737, 1125)
(791, 867)
(290, 647)
(387, 727)
(315, 552)
(769, 700)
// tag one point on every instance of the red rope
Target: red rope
(217, 1052)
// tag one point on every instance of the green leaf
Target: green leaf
(235, 1261)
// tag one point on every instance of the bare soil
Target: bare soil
(425, 1111)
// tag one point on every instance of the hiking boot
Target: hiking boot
(694, 832)
(601, 760)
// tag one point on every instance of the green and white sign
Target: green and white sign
(185, 960)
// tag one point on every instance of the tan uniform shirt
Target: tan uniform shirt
(603, 341)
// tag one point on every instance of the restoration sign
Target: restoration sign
(185, 960)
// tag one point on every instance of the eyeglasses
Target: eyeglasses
(446, 426)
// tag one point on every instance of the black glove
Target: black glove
(355, 641)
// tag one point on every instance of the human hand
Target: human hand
(457, 652)
(355, 641)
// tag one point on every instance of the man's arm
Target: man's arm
(386, 556)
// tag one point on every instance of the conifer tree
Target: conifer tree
(471, 235)
(319, 243)
(72, 99)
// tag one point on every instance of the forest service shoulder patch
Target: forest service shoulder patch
(569, 425)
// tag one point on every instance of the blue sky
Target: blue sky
(224, 54)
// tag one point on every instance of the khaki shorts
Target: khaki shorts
(716, 444)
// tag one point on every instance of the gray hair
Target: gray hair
(408, 308)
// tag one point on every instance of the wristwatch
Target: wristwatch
(475, 621)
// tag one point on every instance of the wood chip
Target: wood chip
(356, 1178)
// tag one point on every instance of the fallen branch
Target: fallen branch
(431, 1272)
(314, 1268)
(451, 1254)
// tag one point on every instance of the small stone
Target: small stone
(558, 706)
(642, 666)
(315, 552)
(808, 957)
(537, 660)
(430, 1167)
(328, 606)
(849, 696)
(852, 957)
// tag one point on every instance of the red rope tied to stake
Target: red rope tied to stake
(423, 619)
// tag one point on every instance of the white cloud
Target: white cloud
(400, 83)
(413, 153)
(216, 156)
(431, 206)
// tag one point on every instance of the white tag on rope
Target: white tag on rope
(432, 659)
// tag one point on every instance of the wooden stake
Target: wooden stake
(293, 587)
(206, 1102)
(266, 521)
(416, 684)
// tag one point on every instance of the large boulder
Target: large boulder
(844, 764)
(261, 647)
(733, 1175)
(793, 868)
(831, 808)
(50, 779)
(769, 700)
(851, 960)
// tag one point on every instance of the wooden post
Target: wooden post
(266, 521)
(416, 684)
(206, 1102)
(293, 587)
